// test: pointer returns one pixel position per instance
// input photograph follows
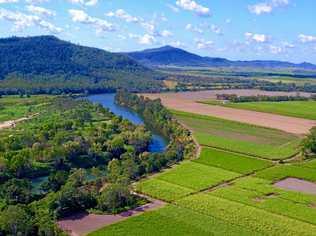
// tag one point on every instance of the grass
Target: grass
(242, 138)
(162, 190)
(196, 176)
(283, 171)
(14, 107)
(231, 161)
(300, 109)
(252, 218)
(173, 220)
(261, 194)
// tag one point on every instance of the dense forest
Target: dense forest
(45, 64)
(88, 158)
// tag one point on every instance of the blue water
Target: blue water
(158, 143)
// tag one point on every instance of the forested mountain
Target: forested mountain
(170, 56)
(47, 64)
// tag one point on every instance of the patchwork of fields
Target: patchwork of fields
(229, 189)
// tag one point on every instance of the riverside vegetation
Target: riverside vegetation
(90, 157)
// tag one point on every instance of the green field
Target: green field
(225, 192)
(196, 176)
(14, 107)
(173, 220)
(231, 161)
(261, 194)
(300, 109)
(284, 171)
(250, 217)
(242, 138)
(162, 190)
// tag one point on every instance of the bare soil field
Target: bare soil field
(83, 223)
(187, 102)
(211, 94)
(297, 185)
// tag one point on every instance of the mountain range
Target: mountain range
(171, 56)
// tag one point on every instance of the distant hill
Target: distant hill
(47, 64)
(171, 56)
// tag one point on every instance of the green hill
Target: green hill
(45, 64)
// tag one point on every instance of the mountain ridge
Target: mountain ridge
(172, 56)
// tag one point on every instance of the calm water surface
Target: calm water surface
(158, 143)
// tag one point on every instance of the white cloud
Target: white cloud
(166, 33)
(36, 1)
(173, 8)
(260, 8)
(204, 44)
(85, 2)
(8, 1)
(177, 44)
(288, 45)
(40, 11)
(194, 29)
(267, 7)
(146, 39)
(99, 24)
(259, 38)
(22, 21)
(216, 29)
(307, 38)
(122, 14)
(191, 5)
(275, 49)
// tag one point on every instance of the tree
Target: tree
(15, 221)
(309, 144)
(116, 198)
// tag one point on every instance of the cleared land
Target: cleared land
(14, 107)
(82, 224)
(242, 138)
(186, 102)
(297, 185)
(300, 109)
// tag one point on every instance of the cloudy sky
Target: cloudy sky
(235, 29)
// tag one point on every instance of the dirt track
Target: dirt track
(186, 101)
(83, 224)
(11, 123)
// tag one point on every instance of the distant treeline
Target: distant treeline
(261, 98)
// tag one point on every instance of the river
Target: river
(158, 143)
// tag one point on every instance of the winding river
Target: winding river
(158, 143)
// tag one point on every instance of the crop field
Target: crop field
(250, 217)
(261, 194)
(241, 138)
(231, 188)
(300, 109)
(13, 107)
(173, 220)
(231, 161)
(197, 176)
(282, 171)
(162, 190)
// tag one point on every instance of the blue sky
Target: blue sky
(235, 29)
